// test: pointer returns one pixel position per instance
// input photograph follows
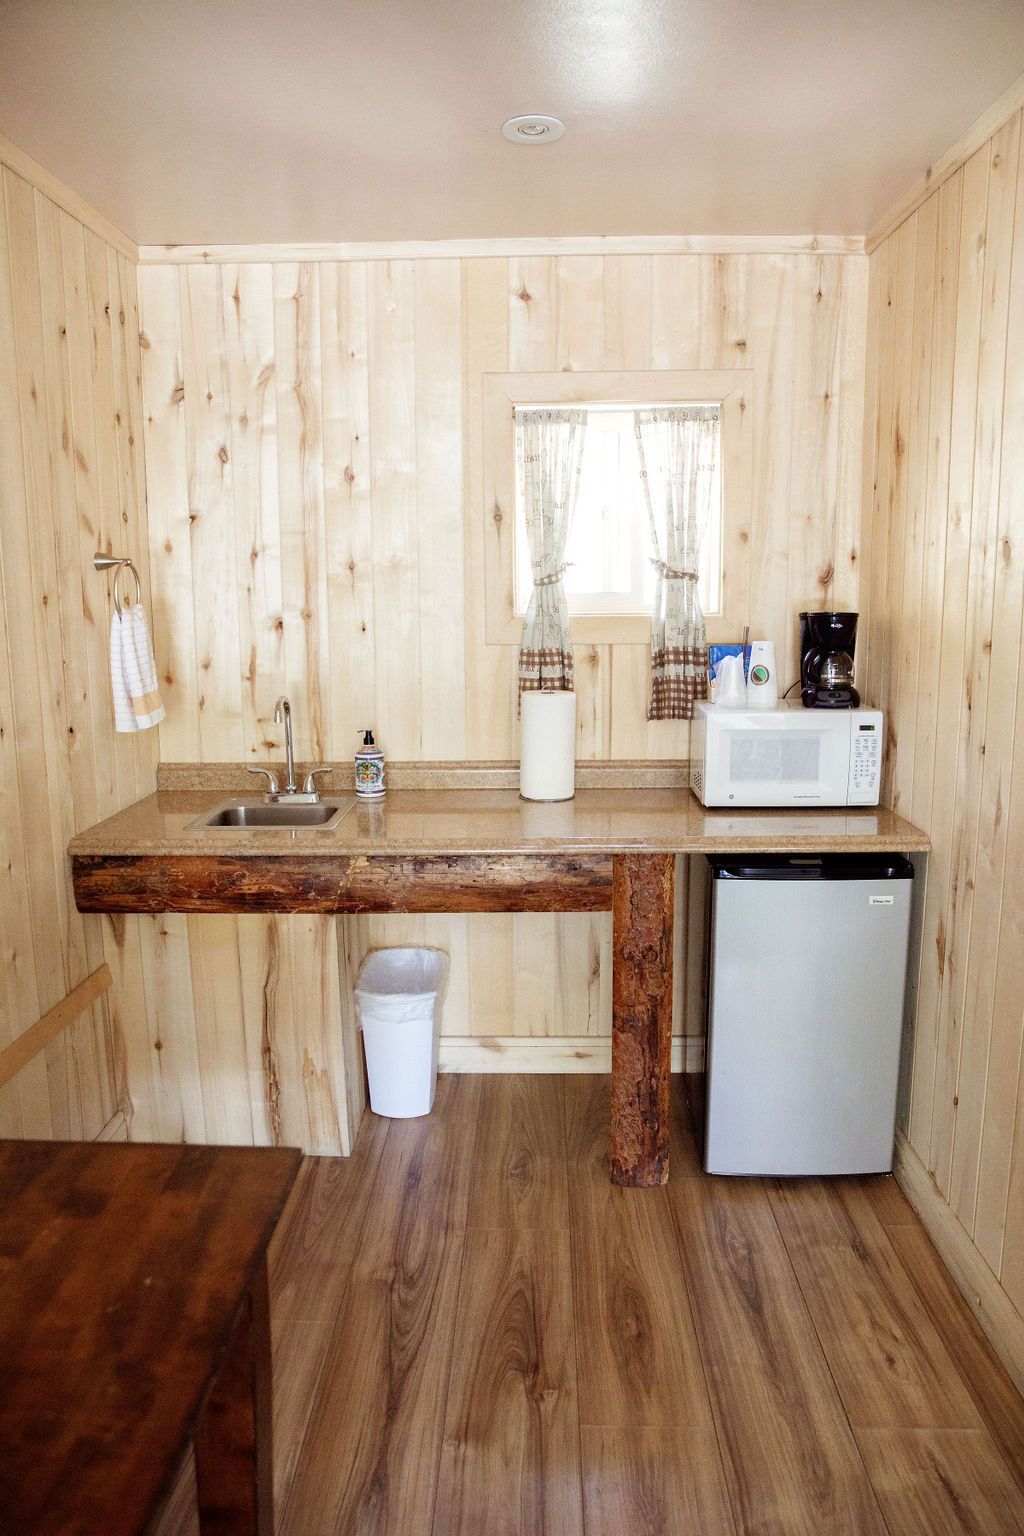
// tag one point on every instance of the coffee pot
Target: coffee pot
(827, 644)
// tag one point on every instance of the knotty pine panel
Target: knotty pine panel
(944, 526)
(315, 432)
(73, 482)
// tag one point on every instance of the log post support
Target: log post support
(643, 888)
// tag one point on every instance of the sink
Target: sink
(244, 815)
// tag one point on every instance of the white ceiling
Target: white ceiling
(222, 121)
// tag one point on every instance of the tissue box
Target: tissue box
(716, 655)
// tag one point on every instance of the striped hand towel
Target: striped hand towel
(137, 703)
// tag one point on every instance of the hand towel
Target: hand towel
(137, 703)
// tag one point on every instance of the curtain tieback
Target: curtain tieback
(554, 578)
(670, 573)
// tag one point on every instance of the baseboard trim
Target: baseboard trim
(988, 1301)
(566, 1053)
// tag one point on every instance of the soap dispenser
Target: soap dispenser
(369, 768)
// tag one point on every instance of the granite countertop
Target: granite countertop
(488, 820)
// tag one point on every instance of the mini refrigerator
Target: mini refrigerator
(808, 972)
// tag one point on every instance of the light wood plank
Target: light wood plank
(941, 1482)
(995, 1396)
(791, 1462)
(369, 1460)
(512, 1415)
(520, 1155)
(659, 1482)
(638, 1357)
(885, 1356)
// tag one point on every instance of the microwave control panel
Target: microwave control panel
(865, 757)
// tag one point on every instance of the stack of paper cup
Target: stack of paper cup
(548, 756)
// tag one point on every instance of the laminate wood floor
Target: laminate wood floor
(475, 1334)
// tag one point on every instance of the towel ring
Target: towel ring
(118, 564)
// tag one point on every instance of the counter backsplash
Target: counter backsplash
(232, 778)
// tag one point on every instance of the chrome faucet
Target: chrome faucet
(283, 712)
(309, 794)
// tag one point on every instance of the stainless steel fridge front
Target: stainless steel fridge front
(808, 973)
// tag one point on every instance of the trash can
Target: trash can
(398, 1009)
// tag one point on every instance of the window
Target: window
(726, 558)
(609, 550)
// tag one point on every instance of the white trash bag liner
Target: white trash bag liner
(398, 1008)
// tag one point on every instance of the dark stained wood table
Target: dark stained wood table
(133, 1321)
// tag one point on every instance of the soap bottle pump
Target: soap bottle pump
(369, 768)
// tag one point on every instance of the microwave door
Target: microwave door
(766, 763)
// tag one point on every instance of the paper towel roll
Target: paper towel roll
(547, 768)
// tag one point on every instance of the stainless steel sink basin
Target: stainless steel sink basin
(244, 815)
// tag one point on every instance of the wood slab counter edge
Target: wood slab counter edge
(480, 851)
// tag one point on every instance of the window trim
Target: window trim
(730, 388)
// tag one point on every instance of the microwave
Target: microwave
(787, 755)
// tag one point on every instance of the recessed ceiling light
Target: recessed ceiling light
(533, 130)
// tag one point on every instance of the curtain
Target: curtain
(677, 447)
(549, 455)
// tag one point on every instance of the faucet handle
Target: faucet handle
(309, 786)
(273, 788)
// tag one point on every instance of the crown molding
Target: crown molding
(580, 245)
(39, 177)
(980, 131)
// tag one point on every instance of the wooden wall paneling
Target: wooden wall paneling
(393, 480)
(167, 488)
(938, 411)
(911, 440)
(676, 312)
(247, 303)
(456, 934)
(68, 395)
(69, 573)
(401, 355)
(629, 322)
(814, 478)
(931, 779)
(491, 671)
(949, 497)
(208, 457)
(439, 508)
(27, 1102)
(872, 644)
(772, 300)
(627, 282)
(976, 665)
(218, 963)
(848, 567)
(168, 1026)
(131, 501)
(998, 1225)
(939, 930)
(112, 503)
(891, 591)
(577, 340)
(33, 616)
(86, 535)
(315, 1019)
(348, 505)
(303, 529)
(1000, 601)
(351, 944)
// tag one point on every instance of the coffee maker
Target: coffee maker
(827, 642)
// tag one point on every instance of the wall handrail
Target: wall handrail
(53, 1022)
